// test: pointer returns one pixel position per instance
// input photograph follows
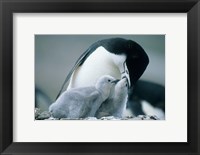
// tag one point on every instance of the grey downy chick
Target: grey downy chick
(82, 102)
(115, 105)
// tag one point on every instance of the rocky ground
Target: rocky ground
(45, 115)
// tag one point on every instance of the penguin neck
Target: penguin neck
(119, 60)
(111, 58)
(110, 61)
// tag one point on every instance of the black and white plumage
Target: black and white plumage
(84, 101)
(150, 92)
(117, 57)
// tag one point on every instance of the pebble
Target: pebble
(110, 118)
(44, 115)
(91, 118)
(37, 112)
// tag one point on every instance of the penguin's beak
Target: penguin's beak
(126, 81)
(115, 81)
(125, 74)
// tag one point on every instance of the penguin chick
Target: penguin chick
(82, 102)
(115, 105)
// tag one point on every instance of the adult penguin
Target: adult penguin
(117, 57)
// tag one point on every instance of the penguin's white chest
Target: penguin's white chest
(100, 62)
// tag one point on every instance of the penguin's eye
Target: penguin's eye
(126, 85)
(109, 80)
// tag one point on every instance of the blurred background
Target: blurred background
(55, 55)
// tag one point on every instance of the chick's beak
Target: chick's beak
(115, 81)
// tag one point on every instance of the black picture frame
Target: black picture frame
(8, 7)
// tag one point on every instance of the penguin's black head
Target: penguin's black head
(137, 59)
(115, 45)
